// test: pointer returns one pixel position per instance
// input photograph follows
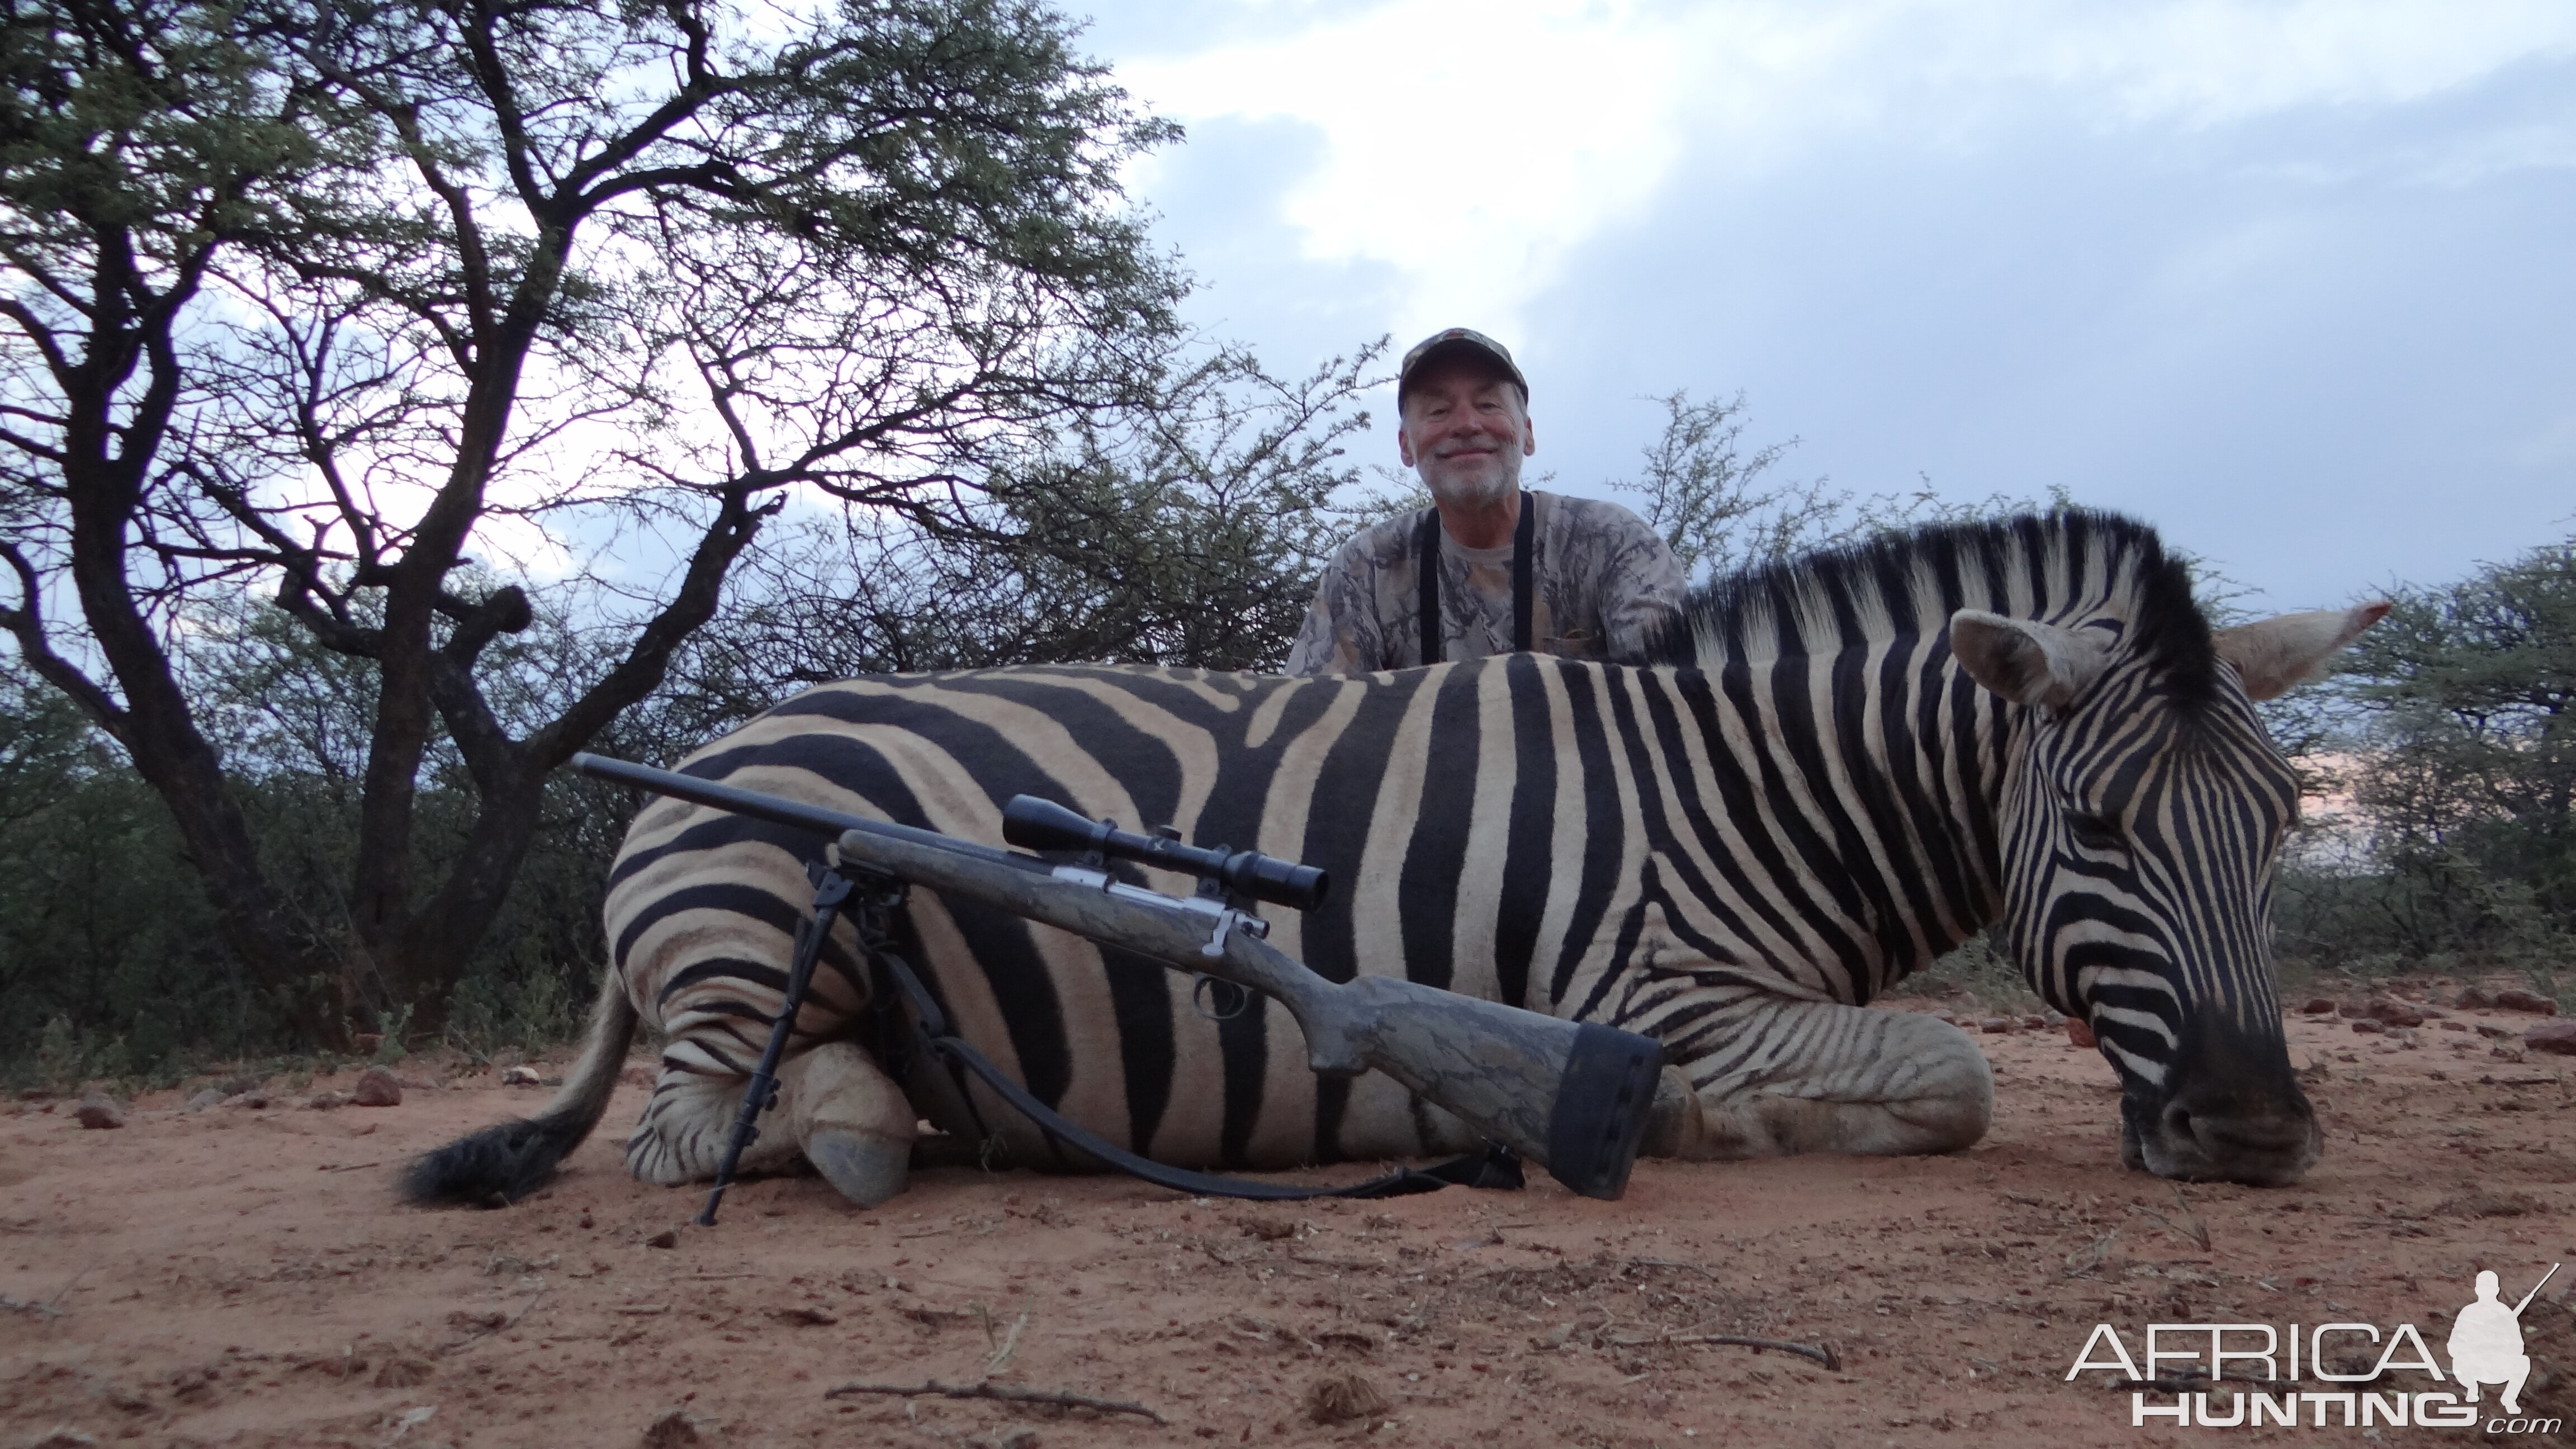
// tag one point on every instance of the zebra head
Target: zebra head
(2142, 815)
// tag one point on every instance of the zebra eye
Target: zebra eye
(2094, 832)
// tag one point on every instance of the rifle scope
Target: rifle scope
(1035, 824)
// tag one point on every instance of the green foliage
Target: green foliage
(1978, 972)
(108, 963)
(2459, 746)
(1186, 533)
(358, 304)
(1721, 509)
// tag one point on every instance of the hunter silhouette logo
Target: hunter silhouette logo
(2486, 1342)
(2232, 1375)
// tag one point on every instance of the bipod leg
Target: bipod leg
(831, 888)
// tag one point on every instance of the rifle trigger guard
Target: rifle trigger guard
(1229, 1008)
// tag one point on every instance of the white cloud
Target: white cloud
(1472, 149)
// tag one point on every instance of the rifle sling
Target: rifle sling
(1495, 1167)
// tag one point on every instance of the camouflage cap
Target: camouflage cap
(1449, 343)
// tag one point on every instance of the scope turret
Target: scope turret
(1035, 824)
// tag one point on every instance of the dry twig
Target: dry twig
(494, 1328)
(1672, 1263)
(1010, 1345)
(981, 1389)
(2190, 1227)
(1822, 1353)
(2092, 1257)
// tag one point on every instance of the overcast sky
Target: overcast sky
(2295, 281)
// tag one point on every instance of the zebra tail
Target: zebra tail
(500, 1165)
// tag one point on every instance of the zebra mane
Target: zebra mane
(2064, 565)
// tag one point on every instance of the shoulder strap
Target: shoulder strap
(1426, 554)
(1524, 583)
(1494, 1167)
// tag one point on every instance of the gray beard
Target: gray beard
(1474, 495)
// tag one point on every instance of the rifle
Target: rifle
(1573, 1096)
(2535, 1289)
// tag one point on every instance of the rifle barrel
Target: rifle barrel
(2535, 1290)
(827, 823)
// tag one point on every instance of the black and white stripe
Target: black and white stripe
(1728, 852)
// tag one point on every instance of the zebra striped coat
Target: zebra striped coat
(1732, 852)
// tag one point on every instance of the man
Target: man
(1510, 569)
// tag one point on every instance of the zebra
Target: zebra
(1845, 766)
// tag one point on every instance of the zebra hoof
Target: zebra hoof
(1673, 1123)
(866, 1168)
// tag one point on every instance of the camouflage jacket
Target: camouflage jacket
(1604, 582)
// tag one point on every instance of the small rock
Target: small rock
(2473, 999)
(200, 1102)
(2369, 1025)
(378, 1088)
(253, 1099)
(2033, 1021)
(235, 1086)
(1267, 1226)
(1945, 1014)
(2558, 1038)
(2354, 1008)
(2505, 1052)
(2319, 1006)
(667, 1238)
(2055, 1017)
(2490, 1029)
(1344, 1397)
(62, 1436)
(2396, 1013)
(2454, 1026)
(327, 1102)
(671, 1431)
(636, 1074)
(2479, 1203)
(2431, 1013)
(99, 1110)
(520, 1077)
(404, 1373)
(1996, 1025)
(2517, 999)
(808, 1316)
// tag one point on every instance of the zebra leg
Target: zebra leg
(681, 1137)
(1766, 1076)
(852, 1121)
(835, 1108)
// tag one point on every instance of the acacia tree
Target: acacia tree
(1720, 508)
(2465, 770)
(329, 299)
(1188, 534)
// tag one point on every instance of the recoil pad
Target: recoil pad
(1600, 1111)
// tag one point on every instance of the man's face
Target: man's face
(1465, 432)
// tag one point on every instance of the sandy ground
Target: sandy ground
(242, 1276)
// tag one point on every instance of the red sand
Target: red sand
(239, 1276)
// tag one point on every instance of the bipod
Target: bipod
(831, 890)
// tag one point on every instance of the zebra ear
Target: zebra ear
(2272, 655)
(2023, 660)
